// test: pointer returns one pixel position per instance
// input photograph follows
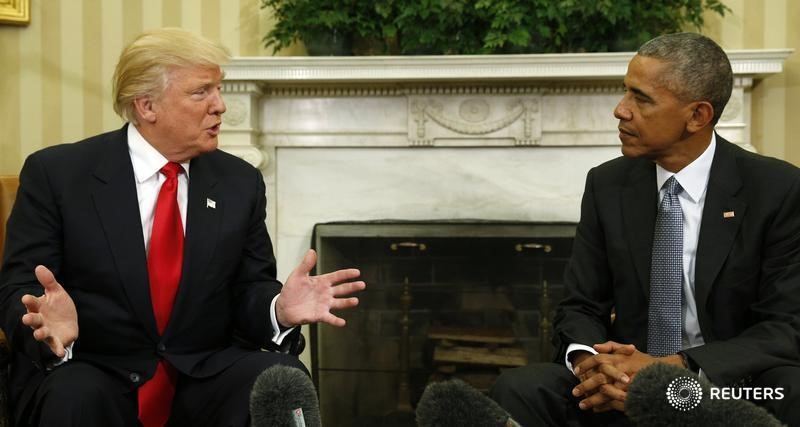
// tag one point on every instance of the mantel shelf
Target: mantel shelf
(375, 69)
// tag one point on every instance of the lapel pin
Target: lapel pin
(211, 204)
(728, 214)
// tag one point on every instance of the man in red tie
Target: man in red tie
(138, 285)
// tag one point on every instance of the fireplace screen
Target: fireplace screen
(443, 300)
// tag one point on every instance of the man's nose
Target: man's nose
(217, 104)
(621, 112)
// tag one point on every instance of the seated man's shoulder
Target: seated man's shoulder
(766, 174)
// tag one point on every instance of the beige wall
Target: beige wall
(55, 74)
(768, 24)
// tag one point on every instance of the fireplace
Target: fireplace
(477, 142)
(444, 300)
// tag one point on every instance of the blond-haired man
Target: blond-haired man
(139, 282)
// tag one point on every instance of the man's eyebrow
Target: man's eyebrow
(638, 92)
(206, 84)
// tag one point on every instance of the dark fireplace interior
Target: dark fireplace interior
(443, 300)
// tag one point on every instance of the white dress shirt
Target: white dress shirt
(147, 162)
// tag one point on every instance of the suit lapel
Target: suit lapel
(202, 228)
(118, 210)
(639, 206)
(718, 229)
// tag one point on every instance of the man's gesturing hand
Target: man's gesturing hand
(308, 299)
(52, 316)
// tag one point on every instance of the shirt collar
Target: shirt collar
(147, 161)
(694, 177)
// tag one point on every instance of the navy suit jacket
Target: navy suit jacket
(747, 267)
(77, 213)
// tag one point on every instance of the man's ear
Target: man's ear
(702, 115)
(143, 106)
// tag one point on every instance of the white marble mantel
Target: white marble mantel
(506, 137)
(594, 66)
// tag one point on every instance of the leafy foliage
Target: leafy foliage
(486, 26)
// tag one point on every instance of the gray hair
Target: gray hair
(699, 68)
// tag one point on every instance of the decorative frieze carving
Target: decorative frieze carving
(469, 120)
(241, 126)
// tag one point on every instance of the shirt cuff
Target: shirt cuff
(574, 347)
(67, 356)
(280, 331)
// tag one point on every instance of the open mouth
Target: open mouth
(214, 130)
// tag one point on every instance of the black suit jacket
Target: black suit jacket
(747, 267)
(77, 213)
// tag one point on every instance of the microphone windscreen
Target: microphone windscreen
(277, 395)
(738, 412)
(455, 403)
(666, 395)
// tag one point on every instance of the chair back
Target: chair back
(8, 192)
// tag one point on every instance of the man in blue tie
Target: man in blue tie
(687, 253)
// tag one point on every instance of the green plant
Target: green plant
(487, 26)
(347, 21)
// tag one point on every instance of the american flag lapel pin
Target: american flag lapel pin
(728, 214)
(211, 203)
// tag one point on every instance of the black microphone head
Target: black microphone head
(739, 412)
(666, 395)
(277, 395)
(454, 403)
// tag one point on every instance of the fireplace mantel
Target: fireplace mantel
(488, 138)
(372, 69)
(546, 81)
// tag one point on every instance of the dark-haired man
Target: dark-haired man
(692, 242)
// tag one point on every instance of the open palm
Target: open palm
(308, 299)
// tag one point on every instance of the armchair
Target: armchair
(8, 192)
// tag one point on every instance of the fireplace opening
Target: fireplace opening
(443, 300)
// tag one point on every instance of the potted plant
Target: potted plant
(332, 27)
(484, 26)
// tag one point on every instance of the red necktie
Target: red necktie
(164, 263)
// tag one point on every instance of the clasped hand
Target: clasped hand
(605, 376)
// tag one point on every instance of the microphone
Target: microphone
(664, 395)
(283, 396)
(454, 403)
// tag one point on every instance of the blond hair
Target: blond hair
(144, 65)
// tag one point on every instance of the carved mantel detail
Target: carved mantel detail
(240, 124)
(539, 100)
(474, 120)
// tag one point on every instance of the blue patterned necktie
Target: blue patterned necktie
(664, 322)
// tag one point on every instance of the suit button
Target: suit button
(135, 378)
(161, 348)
